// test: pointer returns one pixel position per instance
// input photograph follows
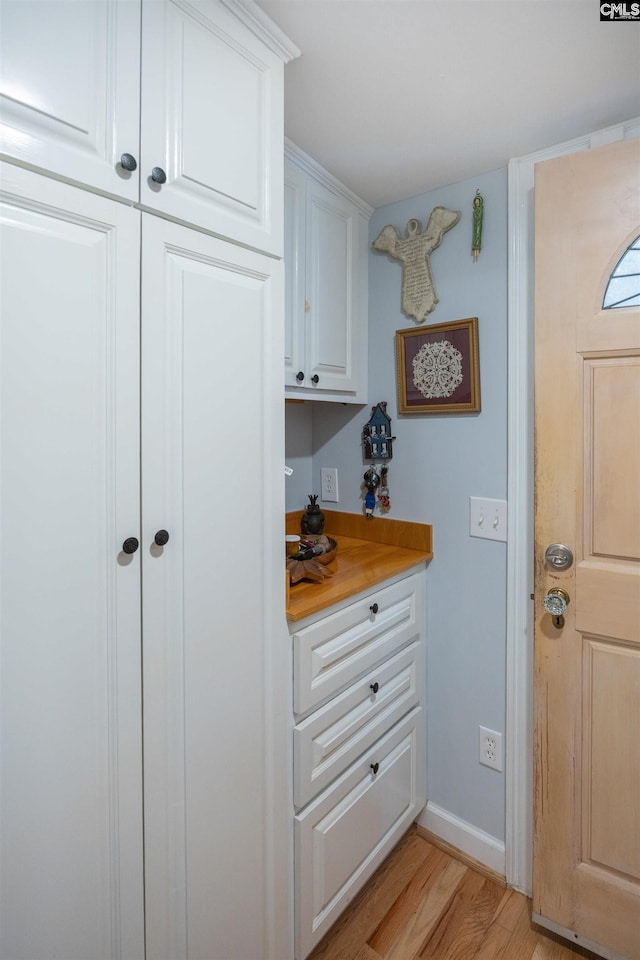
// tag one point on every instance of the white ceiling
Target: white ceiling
(397, 97)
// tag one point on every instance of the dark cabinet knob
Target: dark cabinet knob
(299, 376)
(161, 537)
(130, 545)
(374, 768)
(128, 162)
(315, 378)
(375, 686)
(158, 175)
(374, 608)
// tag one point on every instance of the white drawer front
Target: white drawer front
(336, 734)
(338, 648)
(343, 836)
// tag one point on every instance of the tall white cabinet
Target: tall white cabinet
(143, 679)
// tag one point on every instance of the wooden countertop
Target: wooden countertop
(369, 551)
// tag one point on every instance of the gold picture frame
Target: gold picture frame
(438, 368)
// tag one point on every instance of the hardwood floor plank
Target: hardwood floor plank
(509, 909)
(524, 939)
(425, 918)
(400, 914)
(475, 925)
(494, 945)
(447, 933)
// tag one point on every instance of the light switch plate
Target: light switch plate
(487, 518)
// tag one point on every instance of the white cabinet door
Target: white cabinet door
(212, 120)
(295, 193)
(215, 638)
(332, 291)
(69, 89)
(326, 286)
(71, 800)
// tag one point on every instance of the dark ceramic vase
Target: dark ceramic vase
(313, 518)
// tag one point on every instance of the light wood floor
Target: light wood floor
(423, 903)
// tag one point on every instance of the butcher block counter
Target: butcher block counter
(369, 551)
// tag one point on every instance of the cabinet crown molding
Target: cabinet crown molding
(264, 27)
(312, 167)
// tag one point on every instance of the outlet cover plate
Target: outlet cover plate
(329, 484)
(488, 518)
(490, 747)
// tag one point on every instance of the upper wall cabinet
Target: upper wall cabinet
(175, 105)
(326, 284)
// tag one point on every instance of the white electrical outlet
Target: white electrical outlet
(490, 748)
(329, 484)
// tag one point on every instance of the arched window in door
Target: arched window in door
(623, 289)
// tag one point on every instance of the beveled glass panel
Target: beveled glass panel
(623, 289)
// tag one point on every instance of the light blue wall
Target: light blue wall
(438, 463)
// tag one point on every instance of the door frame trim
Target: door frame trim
(519, 641)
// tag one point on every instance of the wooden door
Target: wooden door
(587, 748)
(70, 702)
(215, 640)
(212, 120)
(70, 89)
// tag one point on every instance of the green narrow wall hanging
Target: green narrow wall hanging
(476, 239)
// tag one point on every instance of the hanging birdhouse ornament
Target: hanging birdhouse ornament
(376, 434)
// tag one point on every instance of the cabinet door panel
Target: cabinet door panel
(294, 268)
(212, 119)
(345, 834)
(332, 251)
(212, 476)
(69, 88)
(71, 817)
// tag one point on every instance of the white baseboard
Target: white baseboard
(464, 836)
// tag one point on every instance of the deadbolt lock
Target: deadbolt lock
(557, 556)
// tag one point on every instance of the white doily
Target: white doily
(437, 369)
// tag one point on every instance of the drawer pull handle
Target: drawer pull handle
(374, 767)
(374, 686)
(374, 608)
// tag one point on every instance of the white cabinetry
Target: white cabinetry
(326, 285)
(82, 84)
(359, 745)
(72, 863)
(133, 814)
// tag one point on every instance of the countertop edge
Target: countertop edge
(361, 562)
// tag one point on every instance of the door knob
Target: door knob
(158, 175)
(299, 376)
(555, 603)
(161, 537)
(315, 378)
(128, 162)
(130, 545)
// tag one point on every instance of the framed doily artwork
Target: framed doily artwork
(438, 368)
